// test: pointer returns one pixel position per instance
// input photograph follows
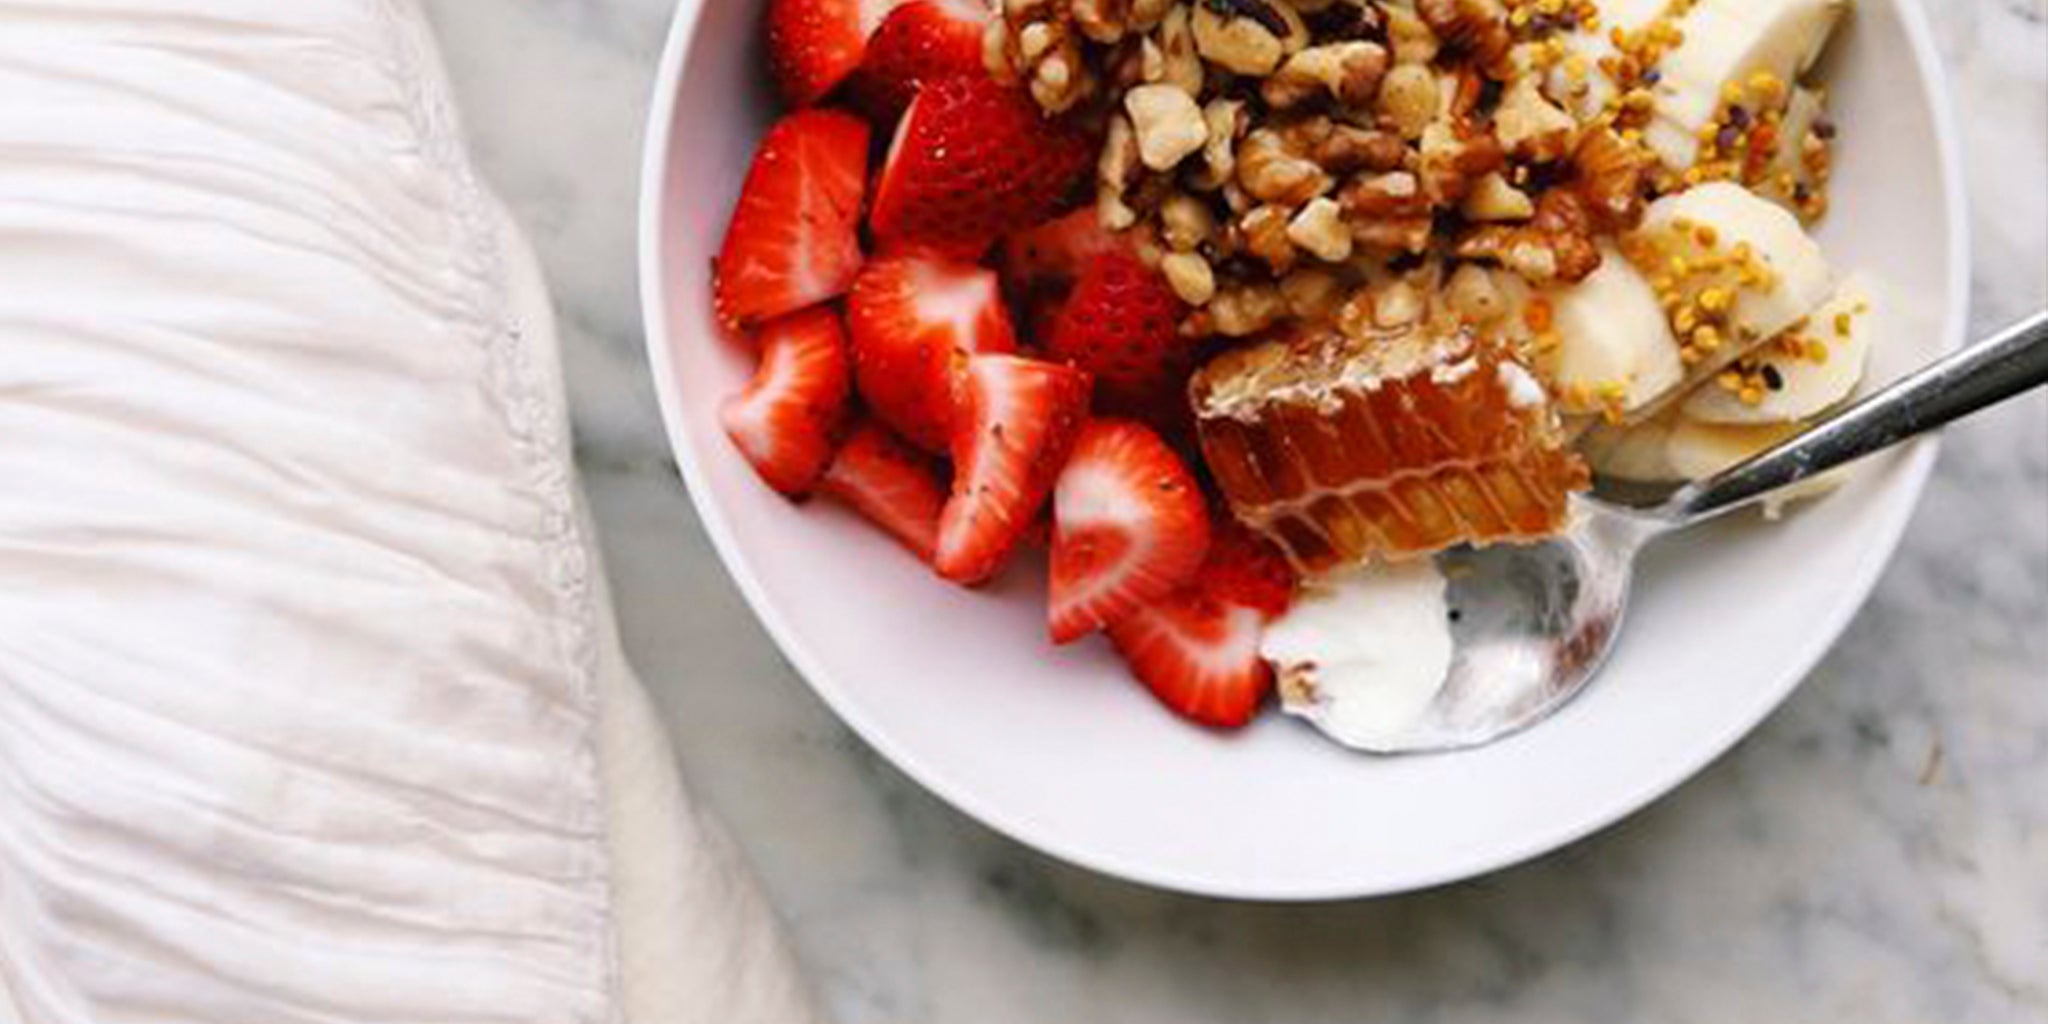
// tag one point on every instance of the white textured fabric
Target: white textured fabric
(310, 709)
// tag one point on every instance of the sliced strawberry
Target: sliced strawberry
(1018, 419)
(915, 319)
(922, 41)
(974, 160)
(814, 44)
(1130, 526)
(1051, 255)
(794, 240)
(788, 416)
(1199, 654)
(891, 483)
(1244, 569)
(1122, 324)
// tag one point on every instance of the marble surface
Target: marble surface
(1876, 852)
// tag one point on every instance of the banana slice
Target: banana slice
(1639, 452)
(1731, 42)
(1788, 170)
(1697, 450)
(1612, 335)
(1577, 83)
(1736, 268)
(1813, 368)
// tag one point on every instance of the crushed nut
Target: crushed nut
(1349, 148)
(1242, 44)
(1312, 292)
(1265, 235)
(1349, 72)
(1408, 100)
(1411, 38)
(1272, 173)
(1320, 229)
(1245, 310)
(1530, 126)
(1168, 124)
(1181, 65)
(1493, 199)
(1555, 245)
(1477, 27)
(1185, 222)
(1225, 123)
(1190, 277)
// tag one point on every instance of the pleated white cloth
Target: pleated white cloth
(310, 704)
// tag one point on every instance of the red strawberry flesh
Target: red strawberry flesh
(1018, 419)
(1130, 526)
(922, 41)
(915, 320)
(974, 160)
(787, 418)
(1199, 655)
(794, 236)
(813, 45)
(1122, 324)
(889, 482)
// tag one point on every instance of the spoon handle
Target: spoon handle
(1984, 374)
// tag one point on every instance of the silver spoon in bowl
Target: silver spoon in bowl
(1535, 623)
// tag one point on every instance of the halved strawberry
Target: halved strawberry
(1244, 568)
(921, 41)
(1017, 421)
(1130, 526)
(974, 160)
(794, 239)
(814, 44)
(915, 319)
(1122, 324)
(1051, 255)
(787, 418)
(1199, 654)
(891, 483)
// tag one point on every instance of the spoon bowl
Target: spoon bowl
(1531, 625)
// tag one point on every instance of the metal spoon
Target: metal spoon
(1535, 623)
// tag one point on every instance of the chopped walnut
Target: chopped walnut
(1312, 292)
(1409, 99)
(1530, 126)
(1247, 37)
(1245, 310)
(1348, 72)
(1610, 175)
(1167, 123)
(1271, 172)
(1478, 27)
(1265, 235)
(1556, 245)
(1039, 44)
(1190, 277)
(1395, 194)
(1181, 65)
(1453, 157)
(1349, 148)
(1319, 228)
(1493, 199)
(1225, 122)
(1185, 222)
(1412, 39)
(1394, 234)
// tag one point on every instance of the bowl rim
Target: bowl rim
(1900, 499)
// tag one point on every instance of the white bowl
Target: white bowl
(1061, 750)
